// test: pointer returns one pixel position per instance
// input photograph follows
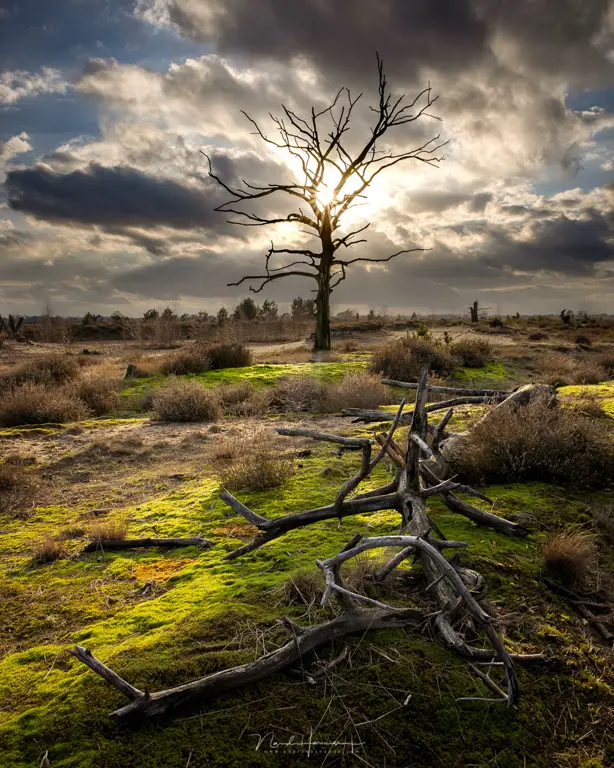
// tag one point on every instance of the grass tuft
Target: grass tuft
(186, 401)
(570, 554)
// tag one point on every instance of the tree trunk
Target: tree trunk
(321, 340)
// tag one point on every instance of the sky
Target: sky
(106, 108)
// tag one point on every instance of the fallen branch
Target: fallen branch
(490, 393)
(114, 544)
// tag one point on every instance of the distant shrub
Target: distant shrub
(404, 358)
(188, 360)
(229, 355)
(47, 369)
(186, 401)
(472, 353)
(300, 394)
(256, 464)
(537, 336)
(588, 372)
(99, 394)
(39, 404)
(583, 341)
(570, 554)
(357, 390)
(540, 443)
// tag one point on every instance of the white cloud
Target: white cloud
(19, 84)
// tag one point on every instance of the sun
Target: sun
(325, 195)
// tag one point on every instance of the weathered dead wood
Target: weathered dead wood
(302, 642)
(114, 544)
(494, 393)
(357, 442)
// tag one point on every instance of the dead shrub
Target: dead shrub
(606, 361)
(16, 488)
(99, 394)
(299, 394)
(188, 360)
(358, 390)
(404, 358)
(472, 353)
(48, 550)
(304, 587)
(570, 554)
(40, 404)
(186, 401)
(588, 372)
(590, 407)
(255, 463)
(557, 370)
(109, 530)
(47, 369)
(537, 443)
(229, 355)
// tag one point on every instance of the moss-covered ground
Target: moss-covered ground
(164, 617)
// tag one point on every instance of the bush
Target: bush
(256, 465)
(537, 336)
(109, 530)
(606, 361)
(229, 355)
(583, 341)
(45, 369)
(472, 353)
(537, 442)
(48, 550)
(192, 359)
(357, 390)
(404, 358)
(570, 554)
(100, 395)
(300, 394)
(186, 401)
(588, 372)
(39, 404)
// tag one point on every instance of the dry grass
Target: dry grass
(472, 353)
(16, 488)
(188, 360)
(304, 587)
(300, 394)
(540, 443)
(255, 463)
(186, 401)
(404, 358)
(358, 390)
(108, 530)
(588, 372)
(48, 550)
(570, 554)
(99, 393)
(40, 404)
(604, 521)
(244, 399)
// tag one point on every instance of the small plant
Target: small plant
(99, 394)
(570, 554)
(299, 394)
(108, 530)
(422, 332)
(40, 404)
(16, 488)
(357, 390)
(588, 372)
(256, 464)
(537, 336)
(48, 550)
(304, 587)
(186, 401)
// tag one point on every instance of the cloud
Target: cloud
(117, 196)
(18, 84)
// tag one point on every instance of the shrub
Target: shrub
(186, 401)
(606, 361)
(540, 443)
(299, 394)
(358, 390)
(404, 358)
(472, 353)
(192, 359)
(570, 554)
(47, 550)
(588, 372)
(229, 355)
(537, 336)
(16, 488)
(557, 370)
(100, 394)
(109, 530)
(256, 464)
(583, 341)
(39, 404)
(44, 369)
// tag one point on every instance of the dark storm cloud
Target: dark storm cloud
(111, 197)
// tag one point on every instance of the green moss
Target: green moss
(602, 393)
(161, 618)
(493, 373)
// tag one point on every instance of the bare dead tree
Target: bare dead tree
(457, 617)
(334, 179)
